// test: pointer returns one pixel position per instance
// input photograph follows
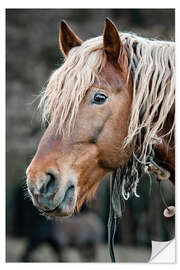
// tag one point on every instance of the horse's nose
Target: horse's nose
(49, 186)
(45, 190)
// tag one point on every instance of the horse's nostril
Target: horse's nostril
(69, 192)
(51, 184)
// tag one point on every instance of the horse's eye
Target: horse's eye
(99, 98)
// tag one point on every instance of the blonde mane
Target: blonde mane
(68, 84)
(152, 64)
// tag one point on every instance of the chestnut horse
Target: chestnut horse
(109, 106)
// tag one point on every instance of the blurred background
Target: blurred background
(32, 53)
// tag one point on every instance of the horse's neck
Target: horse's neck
(166, 158)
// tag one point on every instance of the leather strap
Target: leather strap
(115, 212)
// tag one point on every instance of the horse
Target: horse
(109, 108)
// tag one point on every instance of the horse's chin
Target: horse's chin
(59, 213)
(62, 210)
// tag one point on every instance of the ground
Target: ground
(15, 247)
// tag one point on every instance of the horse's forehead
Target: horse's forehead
(111, 75)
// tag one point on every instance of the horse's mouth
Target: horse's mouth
(65, 207)
(57, 212)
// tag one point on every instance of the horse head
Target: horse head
(87, 103)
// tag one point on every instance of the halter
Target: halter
(116, 211)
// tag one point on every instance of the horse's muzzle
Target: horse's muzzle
(51, 197)
(65, 203)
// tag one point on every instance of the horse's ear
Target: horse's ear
(111, 41)
(67, 39)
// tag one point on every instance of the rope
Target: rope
(128, 179)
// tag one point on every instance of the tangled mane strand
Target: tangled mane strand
(152, 64)
(68, 84)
